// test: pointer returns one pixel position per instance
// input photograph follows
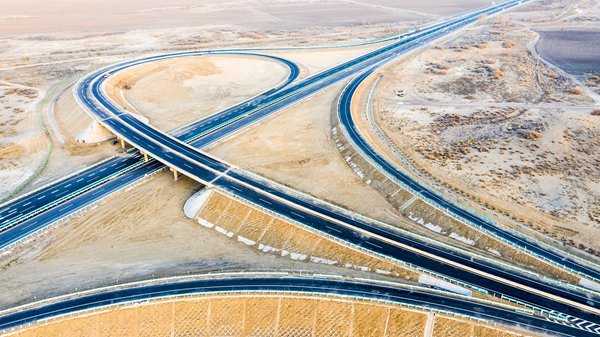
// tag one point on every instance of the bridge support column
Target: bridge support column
(122, 143)
(175, 173)
(145, 155)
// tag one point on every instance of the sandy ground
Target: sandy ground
(147, 236)
(416, 212)
(177, 92)
(303, 156)
(20, 135)
(48, 63)
(142, 233)
(239, 315)
(26, 17)
(487, 117)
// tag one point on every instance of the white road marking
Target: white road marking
(372, 244)
(266, 201)
(334, 229)
(296, 214)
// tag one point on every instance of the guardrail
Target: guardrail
(371, 252)
(253, 274)
(419, 174)
(65, 216)
(263, 294)
(408, 233)
(467, 209)
(68, 196)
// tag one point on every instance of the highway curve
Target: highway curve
(25, 216)
(425, 192)
(213, 172)
(26, 210)
(50, 204)
(182, 157)
(307, 285)
(23, 210)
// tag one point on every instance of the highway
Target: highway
(295, 285)
(192, 162)
(27, 210)
(212, 172)
(33, 210)
(425, 192)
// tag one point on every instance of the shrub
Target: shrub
(508, 44)
(575, 91)
(496, 74)
(596, 112)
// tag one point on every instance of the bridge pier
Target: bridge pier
(122, 143)
(145, 156)
(175, 173)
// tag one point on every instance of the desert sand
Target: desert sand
(483, 114)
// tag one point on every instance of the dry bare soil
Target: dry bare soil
(141, 233)
(265, 316)
(483, 114)
(30, 16)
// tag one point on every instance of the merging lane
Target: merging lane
(213, 172)
(24, 209)
(36, 210)
(175, 153)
